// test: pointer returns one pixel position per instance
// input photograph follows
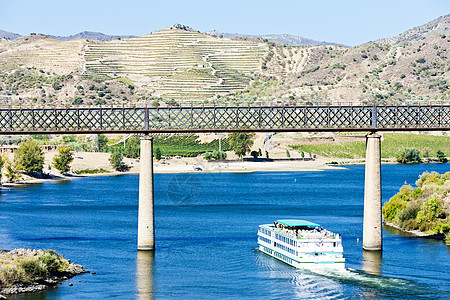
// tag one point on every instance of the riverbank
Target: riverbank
(414, 233)
(95, 160)
(30, 271)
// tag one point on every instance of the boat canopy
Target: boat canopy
(297, 223)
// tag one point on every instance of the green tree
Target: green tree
(2, 162)
(29, 157)
(157, 153)
(288, 155)
(409, 156)
(102, 141)
(208, 156)
(63, 158)
(116, 161)
(241, 142)
(430, 211)
(441, 156)
(132, 147)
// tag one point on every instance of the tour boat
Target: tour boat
(301, 244)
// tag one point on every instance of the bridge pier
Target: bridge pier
(146, 218)
(372, 234)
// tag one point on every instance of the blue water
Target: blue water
(206, 228)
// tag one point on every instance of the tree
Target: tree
(155, 103)
(132, 147)
(2, 162)
(29, 157)
(288, 155)
(409, 156)
(62, 160)
(116, 161)
(441, 156)
(255, 154)
(11, 172)
(102, 141)
(158, 153)
(241, 142)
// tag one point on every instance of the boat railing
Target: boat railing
(308, 234)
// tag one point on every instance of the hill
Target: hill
(181, 65)
(90, 35)
(440, 26)
(9, 35)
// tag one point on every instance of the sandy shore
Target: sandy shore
(92, 160)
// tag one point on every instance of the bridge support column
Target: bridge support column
(372, 235)
(146, 218)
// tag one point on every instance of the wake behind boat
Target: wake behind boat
(301, 244)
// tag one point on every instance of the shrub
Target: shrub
(409, 212)
(410, 224)
(441, 228)
(34, 267)
(208, 156)
(416, 193)
(10, 275)
(255, 154)
(91, 171)
(421, 60)
(391, 208)
(219, 154)
(430, 211)
(77, 101)
(52, 261)
(441, 156)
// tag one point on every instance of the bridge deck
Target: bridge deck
(216, 119)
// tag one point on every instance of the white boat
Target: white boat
(301, 244)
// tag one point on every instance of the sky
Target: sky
(348, 22)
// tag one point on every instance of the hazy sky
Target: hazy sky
(349, 22)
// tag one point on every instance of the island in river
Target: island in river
(424, 210)
(26, 270)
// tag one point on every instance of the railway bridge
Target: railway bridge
(148, 120)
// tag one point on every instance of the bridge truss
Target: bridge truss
(217, 119)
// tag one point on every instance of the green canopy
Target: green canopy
(298, 223)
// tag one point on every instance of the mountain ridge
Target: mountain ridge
(439, 26)
(279, 38)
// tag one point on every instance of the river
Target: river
(206, 226)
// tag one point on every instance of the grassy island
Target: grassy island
(424, 209)
(26, 270)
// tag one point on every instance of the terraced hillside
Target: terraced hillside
(177, 63)
(43, 53)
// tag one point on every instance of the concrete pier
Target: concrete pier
(372, 234)
(146, 218)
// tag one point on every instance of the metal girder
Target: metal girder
(216, 119)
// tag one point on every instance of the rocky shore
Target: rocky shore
(28, 271)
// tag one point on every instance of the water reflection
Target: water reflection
(144, 274)
(372, 262)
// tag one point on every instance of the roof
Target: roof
(297, 223)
